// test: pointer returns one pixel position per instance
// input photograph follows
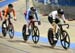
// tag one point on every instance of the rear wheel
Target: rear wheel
(25, 37)
(51, 38)
(35, 34)
(4, 29)
(65, 40)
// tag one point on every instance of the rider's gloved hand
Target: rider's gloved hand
(39, 23)
(14, 18)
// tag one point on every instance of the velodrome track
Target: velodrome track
(17, 45)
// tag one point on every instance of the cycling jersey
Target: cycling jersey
(30, 13)
(8, 11)
(54, 15)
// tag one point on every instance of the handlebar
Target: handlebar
(64, 25)
(36, 21)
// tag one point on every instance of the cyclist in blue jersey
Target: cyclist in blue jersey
(31, 15)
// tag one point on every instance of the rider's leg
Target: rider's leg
(57, 21)
(27, 26)
(54, 27)
(50, 19)
(28, 23)
(9, 21)
(5, 23)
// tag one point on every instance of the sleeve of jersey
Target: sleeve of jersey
(27, 15)
(37, 16)
(14, 13)
(63, 17)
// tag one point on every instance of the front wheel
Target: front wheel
(25, 37)
(65, 40)
(35, 34)
(11, 31)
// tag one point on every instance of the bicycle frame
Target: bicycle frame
(60, 33)
(9, 27)
(9, 21)
(32, 23)
(61, 28)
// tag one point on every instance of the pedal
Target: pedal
(55, 38)
(27, 33)
(4, 25)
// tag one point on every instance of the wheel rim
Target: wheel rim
(25, 37)
(65, 42)
(4, 30)
(11, 31)
(50, 38)
(35, 35)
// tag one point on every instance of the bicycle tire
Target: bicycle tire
(51, 40)
(25, 37)
(64, 40)
(4, 30)
(11, 31)
(35, 34)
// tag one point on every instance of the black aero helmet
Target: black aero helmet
(33, 9)
(60, 11)
(10, 5)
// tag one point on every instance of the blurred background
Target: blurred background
(46, 6)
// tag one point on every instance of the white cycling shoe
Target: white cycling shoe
(4, 25)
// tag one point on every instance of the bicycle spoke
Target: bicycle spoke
(64, 44)
(66, 41)
(35, 35)
(62, 39)
(65, 38)
(35, 38)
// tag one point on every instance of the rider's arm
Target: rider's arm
(63, 18)
(14, 13)
(37, 16)
(27, 15)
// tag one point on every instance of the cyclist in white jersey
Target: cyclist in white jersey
(56, 17)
